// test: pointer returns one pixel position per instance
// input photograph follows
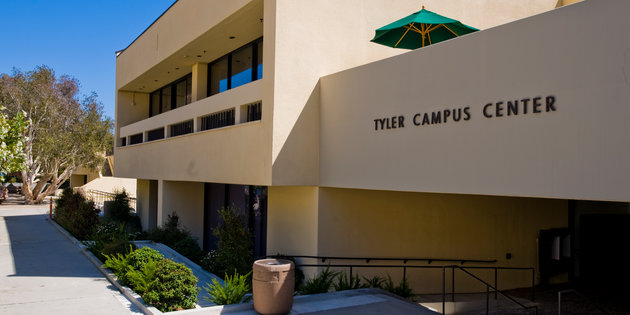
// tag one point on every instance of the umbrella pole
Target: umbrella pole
(401, 38)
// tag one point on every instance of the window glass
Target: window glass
(189, 89)
(242, 66)
(181, 97)
(166, 99)
(259, 70)
(219, 76)
(155, 103)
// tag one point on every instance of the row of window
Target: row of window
(250, 112)
(174, 95)
(237, 68)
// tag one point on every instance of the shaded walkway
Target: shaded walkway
(41, 271)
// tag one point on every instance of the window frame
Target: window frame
(173, 90)
(254, 53)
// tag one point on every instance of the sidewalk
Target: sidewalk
(41, 271)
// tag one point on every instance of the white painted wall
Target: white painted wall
(579, 151)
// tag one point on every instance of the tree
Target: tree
(12, 158)
(64, 133)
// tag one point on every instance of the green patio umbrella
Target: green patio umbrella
(420, 29)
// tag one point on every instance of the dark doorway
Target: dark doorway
(605, 240)
(250, 200)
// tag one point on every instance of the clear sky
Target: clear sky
(74, 37)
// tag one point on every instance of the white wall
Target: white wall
(579, 151)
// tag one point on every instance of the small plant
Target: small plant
(119, 264)
(76, 214)
(119, 209)
(232, 292)
(402, 289)
(179, 239)
(139, 257)
(109, 239)
(174, 287)
(374, 282)
(139, 280)
(343, 283)
(234, 248)
(319, 284)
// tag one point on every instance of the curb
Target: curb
(134, 298)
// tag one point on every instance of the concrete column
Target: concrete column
(199, 81)
(161, 216)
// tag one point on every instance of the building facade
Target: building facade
(504, 145)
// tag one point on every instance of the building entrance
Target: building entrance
(249, 201)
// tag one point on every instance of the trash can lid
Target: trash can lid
(274, 264)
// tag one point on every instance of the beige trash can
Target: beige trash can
(273, 285)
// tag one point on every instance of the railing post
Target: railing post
(453, 284)
(533, 284)
(487, 300)
(444, 290)
(350, 273)
(559, 302)
(496, 285)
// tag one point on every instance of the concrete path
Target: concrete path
(42, 272)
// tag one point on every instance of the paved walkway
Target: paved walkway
(42, 272)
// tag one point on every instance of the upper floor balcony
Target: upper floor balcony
(236, 106)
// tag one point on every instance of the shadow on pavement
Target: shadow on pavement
(39, 250)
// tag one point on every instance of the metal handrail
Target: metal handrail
(444, 267)
(404, 260)
(488, 287)
(99, 197)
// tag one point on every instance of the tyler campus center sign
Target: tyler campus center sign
(525, 106)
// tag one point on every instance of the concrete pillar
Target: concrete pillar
(199, 81)
(161, 216)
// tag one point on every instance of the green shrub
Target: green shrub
(119, 209)
(232, 292)
(109, 239)
(402, 289)
(374, 282)
(319, 284)
(234, 248)
(343, 283)
(174, 287)
(179, 239)
(76, 214)
(139, 257)
(140, 279)
(119, 264)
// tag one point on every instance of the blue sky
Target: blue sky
(74, 37)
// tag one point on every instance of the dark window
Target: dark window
(154, 108)
(241, 69)
(218, 76)
(123, 141)
(254, 111)
(182, 128)
(166, 99)
(155, 134)
(135, 139)
(258, 51)
(237, 68)
(174, 95)
(217, 120)
(183, 92)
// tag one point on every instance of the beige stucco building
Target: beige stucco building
(504, 145)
